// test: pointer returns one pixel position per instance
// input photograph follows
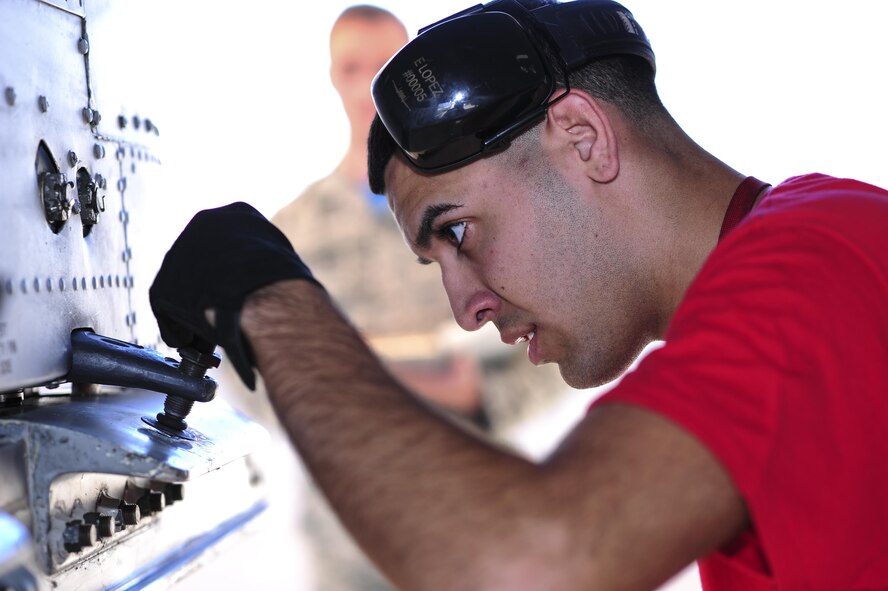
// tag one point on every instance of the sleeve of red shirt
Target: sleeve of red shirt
(777, 361)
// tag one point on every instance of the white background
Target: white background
(773, 88)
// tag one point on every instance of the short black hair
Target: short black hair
(380, 149)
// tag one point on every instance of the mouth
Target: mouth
(516, 337)
(525, 338)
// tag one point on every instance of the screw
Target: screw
(10, 96)
(130, 513)
(43, 102)
(173, 492)
(83, 45)
(99, 151)
(72, 158)
(79, 535)
(105, 525)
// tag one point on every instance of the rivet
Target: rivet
(61, 284)
(48, 284)
(43, 103)
(83, 45)
(99, 151)
(136, 121)
(10, 96)
(87, 115)
(121, 122)
(36, 285)
(121, 184)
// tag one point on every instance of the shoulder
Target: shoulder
(328, 197)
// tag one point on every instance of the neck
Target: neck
(354, 163)
(685, 202)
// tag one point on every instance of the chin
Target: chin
(586, 375)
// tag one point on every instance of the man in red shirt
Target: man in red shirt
(525, 151)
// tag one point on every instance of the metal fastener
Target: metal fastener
(130, 513)
(43, 103)
(83, 45)
(87, 115)
(10, 96)
(99, 151)
(72, 158)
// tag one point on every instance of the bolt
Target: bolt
(157, 501)
(72, 158)
(130, 513)
(79, 535)
(105, 525)
(99, 151)
(10, 96)
(174, 492)
(43, 103)
(175, 409)
(83, 45)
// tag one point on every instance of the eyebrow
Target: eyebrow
(432, 212)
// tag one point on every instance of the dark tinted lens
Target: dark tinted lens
(458, 84)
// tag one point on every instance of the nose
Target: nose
(472, 303)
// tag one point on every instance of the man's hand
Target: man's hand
(221, 257)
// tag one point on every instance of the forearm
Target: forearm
(626, 501)
(409, 486)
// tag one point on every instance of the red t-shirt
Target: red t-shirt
(777, 361)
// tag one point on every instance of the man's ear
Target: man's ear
(579, 124)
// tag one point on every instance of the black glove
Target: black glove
(222, 256)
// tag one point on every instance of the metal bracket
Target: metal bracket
(97, 359)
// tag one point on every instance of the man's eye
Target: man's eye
(454, 233)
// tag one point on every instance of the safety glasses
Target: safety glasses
(467, 85)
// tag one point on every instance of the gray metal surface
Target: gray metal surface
(102, 442)
(92, 496)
